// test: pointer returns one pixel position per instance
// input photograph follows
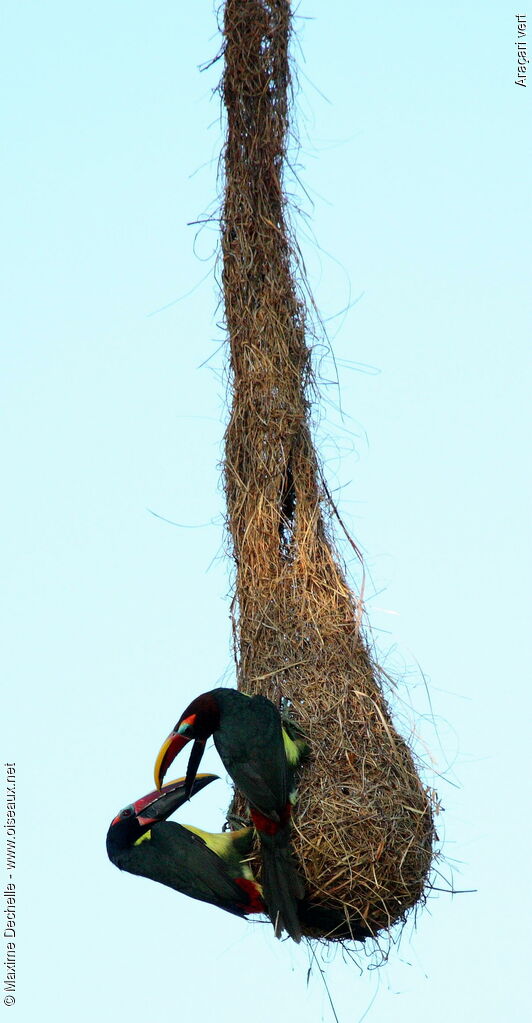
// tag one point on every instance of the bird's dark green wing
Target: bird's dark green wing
(178, 858)
(250, 743)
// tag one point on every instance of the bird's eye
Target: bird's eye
(127, 812)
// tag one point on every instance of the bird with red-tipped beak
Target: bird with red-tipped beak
(205, 866)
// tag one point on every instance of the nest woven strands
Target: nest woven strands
(363, 828)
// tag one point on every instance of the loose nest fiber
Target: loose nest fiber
(363, 828)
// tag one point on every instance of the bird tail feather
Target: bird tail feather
(281, 882)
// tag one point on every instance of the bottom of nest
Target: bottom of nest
(327, 922)
(353, 896)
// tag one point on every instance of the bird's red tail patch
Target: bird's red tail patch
(266, 826)
(254, 903)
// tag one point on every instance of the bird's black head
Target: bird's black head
(197, 723)
(124, 831)
(134, 821)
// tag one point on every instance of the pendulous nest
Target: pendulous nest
(363, 828)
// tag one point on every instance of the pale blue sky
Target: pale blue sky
(415, 151)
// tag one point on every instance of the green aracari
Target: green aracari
(261, 757)
(205, 866)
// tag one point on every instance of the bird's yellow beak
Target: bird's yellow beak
(167, 754)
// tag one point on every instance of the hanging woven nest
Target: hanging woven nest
(363, 827)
